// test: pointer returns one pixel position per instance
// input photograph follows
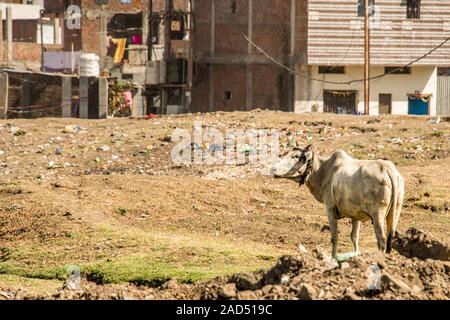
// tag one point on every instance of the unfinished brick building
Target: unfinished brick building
(21, 35)
(231, 74)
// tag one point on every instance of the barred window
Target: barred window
(397, 70)
(413, 9)
(332, 69)
(362, 7)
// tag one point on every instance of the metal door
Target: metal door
(385, 103)
(416, 106)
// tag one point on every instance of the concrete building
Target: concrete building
(401, 32)
(21, 32)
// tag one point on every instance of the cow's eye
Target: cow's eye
(297, 156)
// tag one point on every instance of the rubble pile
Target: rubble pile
(310, 275)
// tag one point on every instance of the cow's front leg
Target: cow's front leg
(332, 220)
(356, 225)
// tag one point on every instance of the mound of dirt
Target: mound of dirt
(310, 275)
(416, 243)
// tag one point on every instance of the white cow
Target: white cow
(361, 190)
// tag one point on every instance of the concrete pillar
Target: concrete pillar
(9, 36)
(103, 40)
(66, 97)
(57, 28)
(4, 88)
(84, 98)
(303, 89)
(25, 92)
(212, 50)
(138, 100)
(145, 27)
(102, 97)
(249, 66)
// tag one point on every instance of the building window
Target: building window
(397, 70)
(227, 95)
(331, 70)
(413, 9)
(361, 8)
(443, 71)
(233, 6)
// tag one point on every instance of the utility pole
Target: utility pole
(190, 81)
(366, 58)
(103, 39)
(190, 58)
(41, 21)
(149, 54)
(150, 31)
(167, 43)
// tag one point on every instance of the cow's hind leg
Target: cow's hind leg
(356, 225)
(332, 220)
(378, 219)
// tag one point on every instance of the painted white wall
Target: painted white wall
(422, 79)
(21, 11)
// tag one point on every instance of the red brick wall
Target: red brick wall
(116, 5)
(271, 31)
(90, 35)
(301, 32)
(200, 96)
(232, 78)
(270, 87)
(26, 51)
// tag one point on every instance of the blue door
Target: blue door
(417, 106)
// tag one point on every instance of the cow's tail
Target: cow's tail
(395, 207)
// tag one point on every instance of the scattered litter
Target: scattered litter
(302, 249)
(397, 141)
(17, 132)
(55, 140)
(72, 129)
(103, 149)
(434, 120)
(247, 149)
(341, 257)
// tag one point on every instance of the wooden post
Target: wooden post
(249, 65)
(366, 58)
(212, 51)
(291, 85)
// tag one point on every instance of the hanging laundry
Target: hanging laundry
(120, 51)
(128, 98)
(136, 39)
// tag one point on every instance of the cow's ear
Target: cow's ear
(309, 155)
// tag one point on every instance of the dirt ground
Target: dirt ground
(104, 197)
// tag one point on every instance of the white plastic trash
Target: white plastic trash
(89, 65)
